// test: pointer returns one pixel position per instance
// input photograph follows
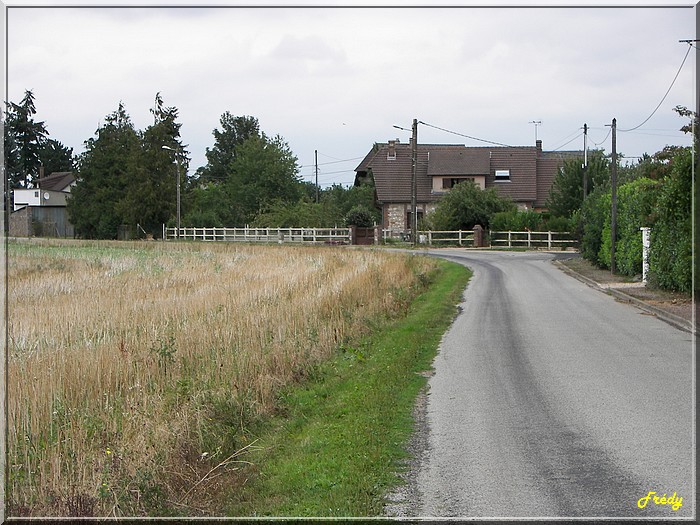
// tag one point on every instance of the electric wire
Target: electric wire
(463, 135)
(569, 142)
(662, 100)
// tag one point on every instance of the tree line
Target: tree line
(127, 177)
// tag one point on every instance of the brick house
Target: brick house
(523, 173)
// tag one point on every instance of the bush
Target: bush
(467, 205)
(516, 220)
(591, 221)
(634, 208)
(359, 216)
(670, 255)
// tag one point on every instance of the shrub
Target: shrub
(359, 216)
(634, 208)
(467, 205)
(670, 255)
(590, 225)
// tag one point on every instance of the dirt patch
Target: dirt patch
(676, 303)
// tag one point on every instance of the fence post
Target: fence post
(509, 245)
(529, 238)
(549, 240)
(645, 252)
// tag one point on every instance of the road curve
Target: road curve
(551, 399)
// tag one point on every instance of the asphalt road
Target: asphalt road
(551, 399)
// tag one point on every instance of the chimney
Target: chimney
(391, 155)
(538, 145)
(41, 172)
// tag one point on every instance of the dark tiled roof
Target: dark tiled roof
(532, 171)
(57, 181)
(522, 163)
(462, 161)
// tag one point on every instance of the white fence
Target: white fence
(461, 237)
(528, 239)
(266, 235)
(505, 239)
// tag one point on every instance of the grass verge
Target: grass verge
(336, 447)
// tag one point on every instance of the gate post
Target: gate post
(478, 236)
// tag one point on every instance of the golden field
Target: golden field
(136, 370)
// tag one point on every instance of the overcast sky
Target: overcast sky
(337, 80)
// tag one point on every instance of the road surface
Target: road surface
(551, 399)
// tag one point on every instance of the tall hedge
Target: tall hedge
(591, 221)
(670, 257)
(635, 204)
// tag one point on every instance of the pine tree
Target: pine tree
(105, 170)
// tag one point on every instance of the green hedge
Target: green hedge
(665, 206)
(516, 220)
(670, 255)
(635, 204)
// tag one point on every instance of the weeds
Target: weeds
(168, 356)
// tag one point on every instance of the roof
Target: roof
(57, 181)
(531, 170)
(462, 161)
(392, 176)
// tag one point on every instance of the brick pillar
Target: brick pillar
(478, 236)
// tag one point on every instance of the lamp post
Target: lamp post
(177, 163)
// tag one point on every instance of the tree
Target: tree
(55, 157)
(234, 132)
(105, 170)
(150, 198)
(24, 140)
(264, 171)
(566, 194)
(467, 205)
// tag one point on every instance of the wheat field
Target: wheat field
(136, 369)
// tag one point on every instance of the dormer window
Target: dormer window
(502, 176)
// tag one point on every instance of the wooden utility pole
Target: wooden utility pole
(316, 163)
(414, 197)
(585, 160)
(613, 183)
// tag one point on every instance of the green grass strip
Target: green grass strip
(340, 443)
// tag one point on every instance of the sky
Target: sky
(338, 79)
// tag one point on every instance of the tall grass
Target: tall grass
(137, 371)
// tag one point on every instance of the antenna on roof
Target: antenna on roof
(536, 123)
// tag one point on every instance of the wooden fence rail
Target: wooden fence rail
(510, 239)
(266, 235)
(529, 239)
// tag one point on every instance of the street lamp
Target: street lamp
(177, 163)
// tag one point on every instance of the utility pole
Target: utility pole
(414, 204)
(613, 212)
(585, 160)
(316, 163)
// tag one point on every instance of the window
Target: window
(36, 194)
(451, 183)
(502, 175)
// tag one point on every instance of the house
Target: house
(523, 173)
(42, 210)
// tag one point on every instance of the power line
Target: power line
(573, 139)
(667, 92)
(463, 135)
(332, 162)
(577, 134)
